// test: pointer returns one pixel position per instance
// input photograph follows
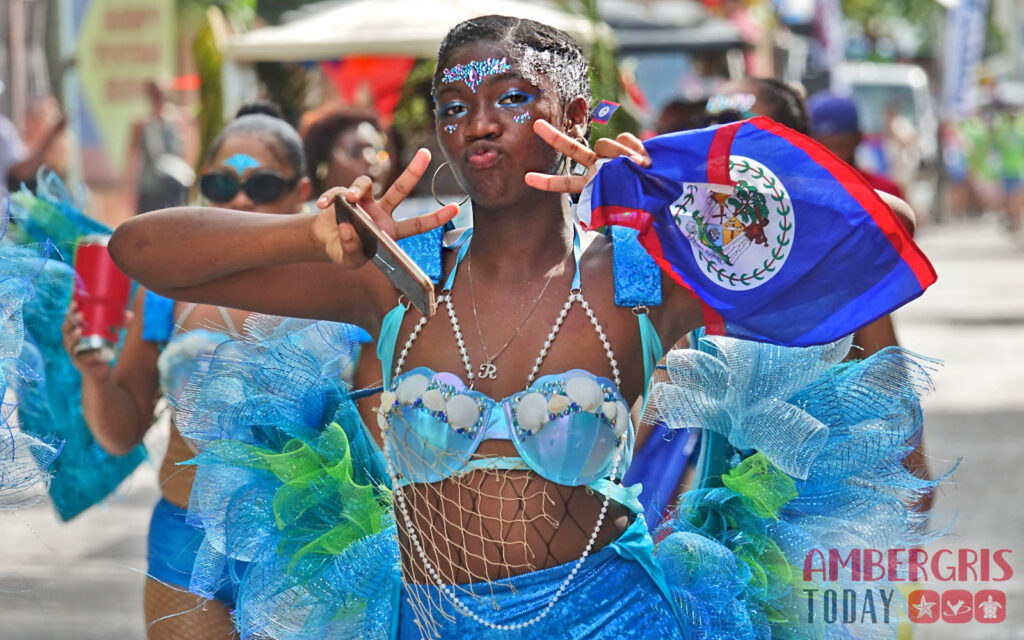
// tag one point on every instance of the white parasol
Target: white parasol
(386, 27)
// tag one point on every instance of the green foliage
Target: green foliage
(285, 84)
(748, 204)
(414, 114)
(915, 11)
(211, 99)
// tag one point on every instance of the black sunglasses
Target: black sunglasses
(261, 186)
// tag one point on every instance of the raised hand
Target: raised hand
(340, 241)
(625, 144)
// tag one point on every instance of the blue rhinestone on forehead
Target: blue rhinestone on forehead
(240, 162)
(473, 72)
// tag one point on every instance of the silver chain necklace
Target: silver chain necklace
(488, 370)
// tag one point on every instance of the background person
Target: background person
(343, 143)
(18, 162)
(255, 164)
(157, 163)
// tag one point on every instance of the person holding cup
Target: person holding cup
(256, 164)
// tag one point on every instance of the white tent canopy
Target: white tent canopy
(386, 27)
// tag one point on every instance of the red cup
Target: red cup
(102, 293)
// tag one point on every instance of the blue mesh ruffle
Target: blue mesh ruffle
(24, 459)
(828, 474)
(51, 404)
(288, 485)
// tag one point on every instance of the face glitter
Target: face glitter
(450, 128)
(522, 118)
(240, 162)
(473, 72)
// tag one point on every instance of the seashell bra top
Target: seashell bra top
(567, 427)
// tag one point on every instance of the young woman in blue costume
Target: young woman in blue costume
(255, 164)
(496, 509)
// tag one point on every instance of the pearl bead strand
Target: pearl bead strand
(574, 296)
(447, 589)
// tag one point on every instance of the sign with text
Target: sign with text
(120, 45)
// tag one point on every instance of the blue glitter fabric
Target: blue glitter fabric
(637, 276)
(157, 318)
(612, 596)
(425, 249)
(51, 404)
(289, 481)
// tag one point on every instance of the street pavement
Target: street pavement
(83, 579)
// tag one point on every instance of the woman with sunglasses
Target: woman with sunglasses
(255, 164)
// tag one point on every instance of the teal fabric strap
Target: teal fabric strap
(652, 348)
(388, 340)
(577, 253)
(465, 238)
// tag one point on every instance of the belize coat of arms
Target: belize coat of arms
(741, 237)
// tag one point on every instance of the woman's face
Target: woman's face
(358, 151)
(485, 115)
(252, 162)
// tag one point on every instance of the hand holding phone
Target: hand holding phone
(377, 230)
(385, 253)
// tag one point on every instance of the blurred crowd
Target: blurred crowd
(981, 173)
(984, 159)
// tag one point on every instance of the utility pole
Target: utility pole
(17, 61)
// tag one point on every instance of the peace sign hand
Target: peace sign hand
(625, 144)
(340, 241)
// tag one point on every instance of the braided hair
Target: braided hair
(539, 49)
(784, 102)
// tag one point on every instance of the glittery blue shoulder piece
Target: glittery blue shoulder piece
(637, 276)
(157, 318)
(425, 249)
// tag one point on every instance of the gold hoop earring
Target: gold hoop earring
(433, 191)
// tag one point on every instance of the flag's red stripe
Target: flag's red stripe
(621, 216)
(858, 187)
(718, 154)
(643, 222)
(714, 323)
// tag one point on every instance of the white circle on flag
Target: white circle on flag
(741, 239)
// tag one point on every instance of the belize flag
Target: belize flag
(781, 241)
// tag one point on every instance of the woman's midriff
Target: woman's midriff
(176, 480)
(487, 525)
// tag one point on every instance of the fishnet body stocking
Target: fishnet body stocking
(487, 525)
(173, 613)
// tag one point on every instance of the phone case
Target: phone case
(400, 269)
